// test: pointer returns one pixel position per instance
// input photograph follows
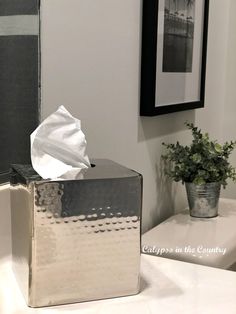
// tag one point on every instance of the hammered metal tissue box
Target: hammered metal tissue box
(76, 240)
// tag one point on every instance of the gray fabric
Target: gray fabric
(18, 97)
(19, 25)
(18, 7)
(19, 80)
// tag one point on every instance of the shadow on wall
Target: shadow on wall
(153, 131)
(166, 193)
(160, 126)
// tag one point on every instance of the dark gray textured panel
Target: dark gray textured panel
(18, 7)
(18, 97)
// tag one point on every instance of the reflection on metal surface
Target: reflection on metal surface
(79, 240)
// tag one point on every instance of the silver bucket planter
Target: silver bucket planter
(203, 199)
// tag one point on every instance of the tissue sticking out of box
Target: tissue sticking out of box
(58, 147)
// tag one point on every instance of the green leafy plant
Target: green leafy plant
(202, 162)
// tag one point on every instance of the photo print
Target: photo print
(179, 18)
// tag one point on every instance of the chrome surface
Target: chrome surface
(203, 199)
(21, 228)
(85, 238)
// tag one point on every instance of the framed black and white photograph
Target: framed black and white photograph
(174, 47)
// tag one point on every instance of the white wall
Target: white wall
(91, 64)
(229, 103)
(219, 115)
(211, 117)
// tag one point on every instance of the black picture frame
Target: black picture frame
(149, 63)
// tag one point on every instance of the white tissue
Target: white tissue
(58, 147)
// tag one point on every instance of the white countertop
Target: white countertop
(207, 241)
(167, 286)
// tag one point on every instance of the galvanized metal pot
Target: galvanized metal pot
(203, 199)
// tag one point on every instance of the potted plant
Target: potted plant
(203, 167)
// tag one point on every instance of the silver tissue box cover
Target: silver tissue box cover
(76, 240)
